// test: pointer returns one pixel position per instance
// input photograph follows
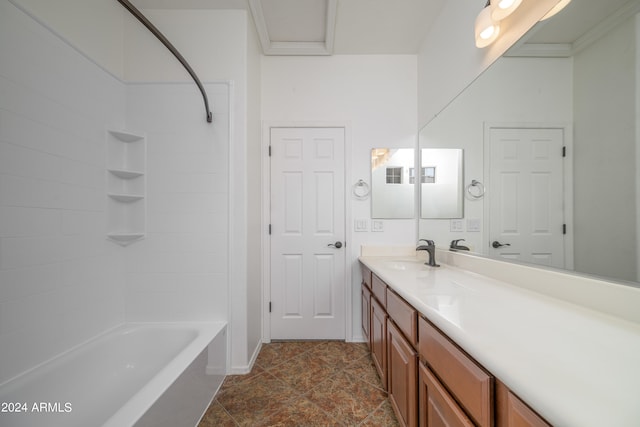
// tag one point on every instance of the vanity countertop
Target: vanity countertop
(574, 365)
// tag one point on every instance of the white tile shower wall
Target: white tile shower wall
(61, 282)
(180, 270)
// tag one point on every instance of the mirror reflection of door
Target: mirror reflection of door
(526, 197)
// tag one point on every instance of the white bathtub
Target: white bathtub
(116, 378)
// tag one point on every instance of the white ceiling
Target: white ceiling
(324, 27)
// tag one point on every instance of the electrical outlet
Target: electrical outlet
(473, 224)
(377, 225)
(361, 224)
(456, 225)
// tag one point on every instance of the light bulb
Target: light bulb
(487, 29)
(500, 9)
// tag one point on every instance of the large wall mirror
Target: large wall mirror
(551, 131)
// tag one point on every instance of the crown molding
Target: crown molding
(566, 50)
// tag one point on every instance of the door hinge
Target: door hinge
(269, 306)
(564, 151)
(269, 229)
(269, 151)
(564, 228)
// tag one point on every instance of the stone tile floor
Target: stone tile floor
(308, 383)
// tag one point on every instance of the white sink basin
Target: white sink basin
(405, 264)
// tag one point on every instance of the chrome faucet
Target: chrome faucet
(430, 247)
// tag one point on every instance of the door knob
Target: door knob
(497, 244)
(336, 245)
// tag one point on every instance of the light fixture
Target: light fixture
(500, 9)
(487, 29)
(557, 8)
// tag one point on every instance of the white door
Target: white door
(526, 195)
(307, 233)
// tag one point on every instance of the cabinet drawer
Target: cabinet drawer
(471, 385)
(366, 275)
(379, 289)
(403, 315)
(437, 407)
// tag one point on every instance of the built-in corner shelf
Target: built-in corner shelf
(126, 198)
(126, 186)
(125, 174)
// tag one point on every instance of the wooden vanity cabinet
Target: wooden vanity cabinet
(366, 276)
(466, 381)
(402, 373)
(366, 304)
(430, 380)
(379, 339)
(366, 314)
(436, 406)
(513, 412)
(379, 290)
(403, 315)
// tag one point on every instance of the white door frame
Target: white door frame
(266, 213)
(567, 129)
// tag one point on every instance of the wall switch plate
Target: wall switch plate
(361, 224)
(377, 225)
(473, 224)
(456, 225)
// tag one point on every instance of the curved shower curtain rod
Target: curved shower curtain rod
(135, 12)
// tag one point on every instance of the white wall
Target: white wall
(95, 27)
(512, 90)
(179, 272)
(606, 147)
(376, 97)
(61, 281)
(255, 232)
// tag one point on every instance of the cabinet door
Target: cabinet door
(513, 412)
(467, 381)
(379, 340)
(437, 407)
(366, 314)
(402, 373)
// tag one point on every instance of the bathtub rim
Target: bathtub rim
(146, 396)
